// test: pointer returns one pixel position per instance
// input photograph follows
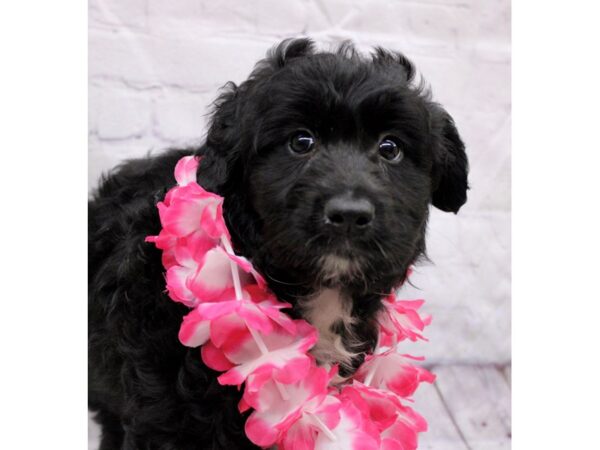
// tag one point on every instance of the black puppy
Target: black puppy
(328, 163)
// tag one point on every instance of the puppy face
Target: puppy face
(328, 162)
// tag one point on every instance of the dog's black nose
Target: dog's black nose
(349, 214)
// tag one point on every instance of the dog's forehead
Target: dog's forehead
(343, 101)
(327, 77)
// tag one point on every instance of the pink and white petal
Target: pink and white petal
(190, 250)
(412, 419)
(184, 213)
(410, 323)
(255, 317)
(165, 242)
(403, 434)
(214, 357)
(390, 298)
(249, 268)
(275, 415)
(300, 436)
(350, 433)
(391, 444)
(185, 170)
(194, 331)
(287, 355)
(399, 321)
(229, 332)
(260, 392)
(181, 217)
(220, 227)
(212, 222)
(259, 295)
(260, 432)
(214, 310)
(272, 308)
(243, 309)
(378, 407)
(264, 395)
(410, 304)
(213, 276)
(177, 285)
(317, 412)
(328, 411)
(167, 200)
(168, 259)
(285, 369)
(243, 406)
(394, 372)
(292, 419)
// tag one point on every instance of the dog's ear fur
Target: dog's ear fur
(227, 145)
(450, 164)
(382, 57)
(287, 50)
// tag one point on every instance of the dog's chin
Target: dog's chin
(335, 268)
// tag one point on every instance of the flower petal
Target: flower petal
(194, 331)
(350, 433)
(400, 320)
(185, 170)
(185, 210)
(393, 371)
(214, 358)
(286, 355)
(177, 282)
(275, 415)
(213, 277)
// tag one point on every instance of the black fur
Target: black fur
(150, 391)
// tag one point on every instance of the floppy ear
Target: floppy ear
(450, 165)
(230, 138)
(223, 147)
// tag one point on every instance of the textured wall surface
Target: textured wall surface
(156, 65)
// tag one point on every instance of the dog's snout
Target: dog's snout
(349, 214)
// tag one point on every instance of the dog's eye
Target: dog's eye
(390, 150)
(302, 142)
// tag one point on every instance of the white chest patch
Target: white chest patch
(323, 311)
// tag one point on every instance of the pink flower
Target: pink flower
(165, 242)
(185, 170)
(203, 272)
(400, 320)
(284, 355)
(184, 255)
(351, 433)
(212, 279)
(224, 318)
(189, 208)
(394, 372)
(294, 421)
(397, 425)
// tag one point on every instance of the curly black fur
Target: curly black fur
(150, 391)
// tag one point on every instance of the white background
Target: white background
(155, 66)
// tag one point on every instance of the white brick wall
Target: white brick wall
(156, 65)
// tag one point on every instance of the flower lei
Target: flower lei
(244, 333)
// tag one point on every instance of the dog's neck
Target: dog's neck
(331, 313)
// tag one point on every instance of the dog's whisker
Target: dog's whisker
(383, 253)
(271, 277)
